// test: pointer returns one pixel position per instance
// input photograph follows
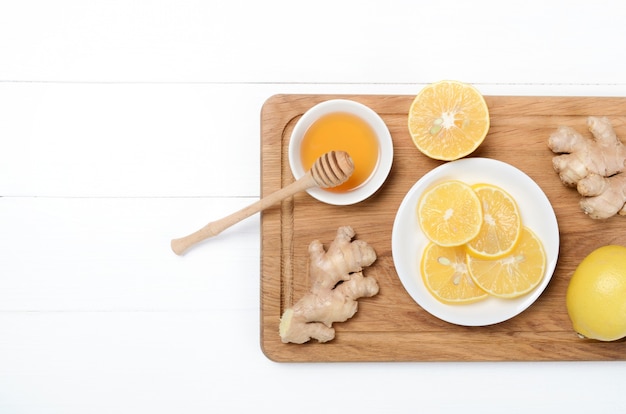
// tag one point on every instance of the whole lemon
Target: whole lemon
(596, 295)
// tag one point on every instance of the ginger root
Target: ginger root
(594, 166)
(337, 281)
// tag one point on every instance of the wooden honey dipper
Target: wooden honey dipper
(329, 170)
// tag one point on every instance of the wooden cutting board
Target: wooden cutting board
(391, 326)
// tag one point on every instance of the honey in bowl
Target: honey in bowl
(342, 131)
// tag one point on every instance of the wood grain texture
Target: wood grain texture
(391, 326)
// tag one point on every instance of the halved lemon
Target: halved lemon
(450, 213)
(445, 274)
(448, 120)
(515, 274)
(502, 223)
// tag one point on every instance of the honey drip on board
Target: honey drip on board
(342, 131)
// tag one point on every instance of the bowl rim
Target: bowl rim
(385, 160)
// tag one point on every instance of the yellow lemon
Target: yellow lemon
(448, 120)
(596, 295)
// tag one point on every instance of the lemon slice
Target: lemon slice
(450, 213)
(445, 275)
(502, 223)
(448, 120)
(515, 274)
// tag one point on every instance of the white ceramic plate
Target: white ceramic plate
(408, 240)
(382, 134)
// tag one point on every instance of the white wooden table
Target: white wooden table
(124, 124)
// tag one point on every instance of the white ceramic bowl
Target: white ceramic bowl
(385, 157)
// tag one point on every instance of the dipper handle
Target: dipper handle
(329, 170)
